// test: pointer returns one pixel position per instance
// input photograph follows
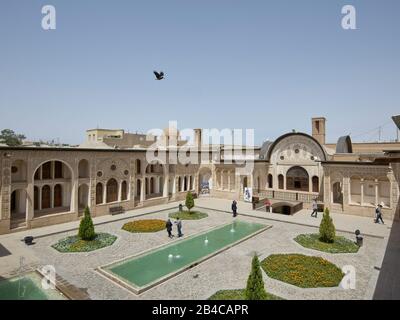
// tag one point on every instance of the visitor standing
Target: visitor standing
(267, 205)
(169, 228)
(234, 208)
(379, 214)
(179, 227)
(315, 209)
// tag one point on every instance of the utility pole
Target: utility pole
(380, 133)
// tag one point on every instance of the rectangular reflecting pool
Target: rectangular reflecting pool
(141, 272)
(27, 287)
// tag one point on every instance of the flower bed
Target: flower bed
(186, 215)
(302, 271)
(340, 245)
(237, 294)
(150, 225)
(75, 244)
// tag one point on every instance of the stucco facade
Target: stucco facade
(44, 186)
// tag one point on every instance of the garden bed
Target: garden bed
(143, 226)
(186, 215)
(237, 294)
(75, 244)
(302, 271)
(340, 245)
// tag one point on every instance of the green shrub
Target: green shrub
(186, 215)
(86, 227)
(189, 201)
(327, 230)
(237, 294)
(255, 283)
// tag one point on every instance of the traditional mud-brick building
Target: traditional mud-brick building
(110, 171)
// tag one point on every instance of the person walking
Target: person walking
(379, 214)
(315, 209)
(234, 208)
(179, 227)
(169, 228)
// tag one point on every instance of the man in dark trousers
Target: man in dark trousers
(179, 227)
(169, 228)
(234, 208)
(379, 214)
(315, 209)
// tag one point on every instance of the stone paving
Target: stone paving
(227, 270)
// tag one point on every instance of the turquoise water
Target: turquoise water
(145, 269)
(26, 287)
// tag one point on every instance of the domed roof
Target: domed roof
(344, 145)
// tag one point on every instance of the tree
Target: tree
(86, 227)
(255, 284)
(189, 201)
(327, 230)
(10, 138)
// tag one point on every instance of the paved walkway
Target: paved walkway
(292, 225)
(343, 222)
(388, 286)
(12, 243)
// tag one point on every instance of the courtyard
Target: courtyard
(226, 270)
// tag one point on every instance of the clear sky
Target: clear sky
(266, 65)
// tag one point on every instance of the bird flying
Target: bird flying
(159, 75)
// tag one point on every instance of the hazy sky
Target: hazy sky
(266, 65)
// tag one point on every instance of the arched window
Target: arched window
(36, 198)
(297, 179)
(138, 187)
(57, 196)
(46, 171)
(280, 182)
(83, 168)
(185, 184)
(337, 194)
(138, 166)
(244, 182)
(270, 181)
(46, 196)
(315, 184)
(179, 184)
(83, 196)
(112, 190)
(99, 193)
(152, 182)
(58, 170)
(124, 191)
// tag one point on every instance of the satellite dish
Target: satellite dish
(396, 120)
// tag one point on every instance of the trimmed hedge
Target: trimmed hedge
(86, 227)
(327, 231)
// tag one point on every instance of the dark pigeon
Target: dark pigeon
(159, 76)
